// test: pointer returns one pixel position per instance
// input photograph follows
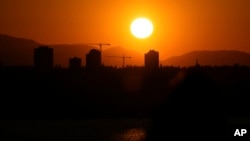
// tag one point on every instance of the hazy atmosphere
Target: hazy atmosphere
(180, 26)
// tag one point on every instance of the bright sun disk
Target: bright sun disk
(141, 28)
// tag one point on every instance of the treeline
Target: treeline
(116, 92)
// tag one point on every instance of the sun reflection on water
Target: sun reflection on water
(134, 134)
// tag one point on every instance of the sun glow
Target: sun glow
(141, 28)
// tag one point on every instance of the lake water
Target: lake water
(77, 130)
(88, 129)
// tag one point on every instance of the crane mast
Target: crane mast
(100, 45)
(123, 59)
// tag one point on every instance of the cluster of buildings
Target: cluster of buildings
(43, 59)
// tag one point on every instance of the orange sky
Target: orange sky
(180, 25)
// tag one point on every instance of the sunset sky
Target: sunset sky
(180, 26)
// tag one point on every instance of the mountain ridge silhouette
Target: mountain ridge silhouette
(210, 57)
(15, 51)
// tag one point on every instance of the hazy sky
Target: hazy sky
(180, 25)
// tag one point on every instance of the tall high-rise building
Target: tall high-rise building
(93, 59)
(151, 59)
(43, 57)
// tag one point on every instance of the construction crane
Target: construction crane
(100, 44)
(123, 59)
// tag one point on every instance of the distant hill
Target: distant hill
(19, 51)
(63, 52)
(213, 58)
(16, 51)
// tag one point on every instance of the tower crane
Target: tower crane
(100, 45)
(123, 59)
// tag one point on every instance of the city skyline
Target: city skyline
(19, 51)
(44, 59)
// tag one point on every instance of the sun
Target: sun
(141, 28)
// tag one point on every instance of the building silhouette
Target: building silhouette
(93, 59)
(151, 60)
(43, 57)
(75, 63)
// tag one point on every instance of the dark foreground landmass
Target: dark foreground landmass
(203, 100)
